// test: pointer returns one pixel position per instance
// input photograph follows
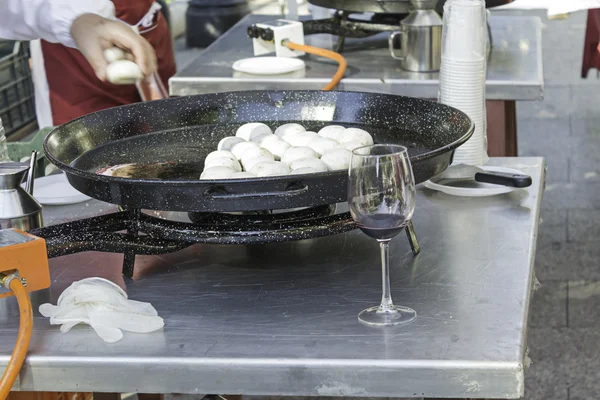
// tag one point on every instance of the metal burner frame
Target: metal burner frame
(133, 232)
(343, 26)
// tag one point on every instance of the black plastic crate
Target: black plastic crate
(17, 105)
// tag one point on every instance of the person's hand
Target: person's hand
(93, 34)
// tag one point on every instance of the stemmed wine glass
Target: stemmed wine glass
(381, 196)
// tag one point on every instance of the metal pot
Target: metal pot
(19, 209)
(176, 134)
(421, 38)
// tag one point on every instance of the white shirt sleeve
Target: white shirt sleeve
(50, 20)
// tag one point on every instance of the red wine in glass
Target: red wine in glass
(381, 198)
(381, 226)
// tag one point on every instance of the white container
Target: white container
(463, 72)
(465, 30)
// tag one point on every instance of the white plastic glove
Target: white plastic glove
(105, 307)
(93, 34)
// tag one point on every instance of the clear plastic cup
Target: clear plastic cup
(464, 33)
(450, 60)
(462, 96)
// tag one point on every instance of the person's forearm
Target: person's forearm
(50, 20)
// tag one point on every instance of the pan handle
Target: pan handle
(220, 193)
(504, 178)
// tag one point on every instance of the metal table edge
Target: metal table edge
(195, 377)
(500, 90)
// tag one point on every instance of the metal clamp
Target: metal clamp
(5, 280)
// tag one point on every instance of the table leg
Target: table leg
(142, 396)
(107, 396)
(49, 396)
(502, 128)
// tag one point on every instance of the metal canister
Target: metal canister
(421, 38)
(18, 208)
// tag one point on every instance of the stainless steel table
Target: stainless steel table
(514, 71)
(281, 319)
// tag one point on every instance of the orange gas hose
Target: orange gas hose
(327, 54)
(20, 351)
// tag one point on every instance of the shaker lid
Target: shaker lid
(11, 174)
(423, 4)
(421, 17)
(14, 201)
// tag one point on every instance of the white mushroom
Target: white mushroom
(257, 135)
(265, 140)
(270, 168)
(255, 155)
(350, 145)
(258, 138)
(113, 54)
(219, 154)
(300, 139)
(223, 162)
(256, 152)
(253, 131)
(217, 173)
(241, 175)
(357, 135)
(305, 170)
(295, 153)
(289, 129)
(321, 145)
(337, 159)
(123, 72)
(332, 132)
(309, 162)
(251, 162)
(275, 145)
(228, 142)
(239, 149)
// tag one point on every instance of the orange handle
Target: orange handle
(20, 351)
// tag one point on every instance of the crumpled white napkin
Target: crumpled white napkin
(105, 307)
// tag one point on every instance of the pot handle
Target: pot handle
(220, 193)
(391, 40)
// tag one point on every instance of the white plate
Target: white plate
(55, 190)
(485, 189)
(268, 65)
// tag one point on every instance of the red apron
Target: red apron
(74, 88)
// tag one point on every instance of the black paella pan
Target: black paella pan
(173, 136)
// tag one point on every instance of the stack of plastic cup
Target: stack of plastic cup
(463, 71)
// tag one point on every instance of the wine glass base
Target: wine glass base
(397, 315)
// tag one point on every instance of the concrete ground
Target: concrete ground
(565, 128)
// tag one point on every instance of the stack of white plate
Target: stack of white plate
(463, 71)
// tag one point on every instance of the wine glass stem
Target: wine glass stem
(386, 297)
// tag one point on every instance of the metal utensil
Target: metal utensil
(19, 209)
(31, 173)
(421, 37)
(463, 172)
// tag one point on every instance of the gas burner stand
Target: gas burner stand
(134, 232)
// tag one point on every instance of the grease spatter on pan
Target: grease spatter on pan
(160, 171)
